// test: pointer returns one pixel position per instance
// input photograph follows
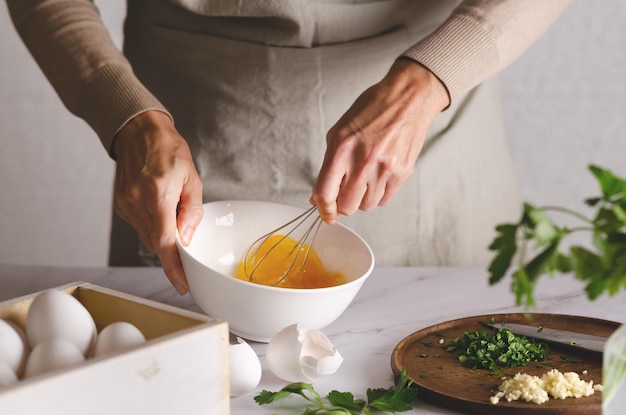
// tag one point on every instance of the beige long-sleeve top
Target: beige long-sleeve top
(95, 81)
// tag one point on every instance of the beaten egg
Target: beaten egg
(276, 254)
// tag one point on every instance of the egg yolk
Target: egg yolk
(277, 261)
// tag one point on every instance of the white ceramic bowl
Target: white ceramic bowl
(254, 311)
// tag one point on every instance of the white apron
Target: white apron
(256, 114)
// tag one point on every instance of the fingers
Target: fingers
(153, 216)
(374, 184)
(391, 190)
(164, 240)
(374, 193)
(190, 210)
(186, 220)
(373, 147)
(157, 189)
(363, 168)
(326, 190)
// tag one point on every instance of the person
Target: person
(327, 102)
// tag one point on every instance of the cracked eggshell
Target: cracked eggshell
(297, 354)
(244, 368)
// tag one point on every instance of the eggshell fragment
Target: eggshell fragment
(296, 354)
(13, 349)
(50, 355)
(244, 368)
(55, 314)
(7, 375)
(117, 337)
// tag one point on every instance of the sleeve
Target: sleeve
(90, 74)
(482, 37)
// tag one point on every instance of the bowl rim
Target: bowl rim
(355, 281)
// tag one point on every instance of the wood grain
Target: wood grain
(442, 380)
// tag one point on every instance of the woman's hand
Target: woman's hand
(372, 149)
(157, 188)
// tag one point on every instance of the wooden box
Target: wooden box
(181, 369)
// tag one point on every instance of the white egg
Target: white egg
(297, 354)
(13, 349)
(51, 355)
(117, 337)
(244, 368)
(54, 314)
(7, 375)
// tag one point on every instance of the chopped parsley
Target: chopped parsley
(567, 359)
(480, 350)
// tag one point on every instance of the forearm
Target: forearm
(73, 48)
(481, 37)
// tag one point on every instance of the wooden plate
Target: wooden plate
(442, 380)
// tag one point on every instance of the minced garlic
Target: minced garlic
(539, 389)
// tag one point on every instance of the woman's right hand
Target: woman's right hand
(372, 149)
(157, 188)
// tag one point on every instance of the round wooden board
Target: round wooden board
(442, 380)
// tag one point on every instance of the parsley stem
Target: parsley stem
(569, 212)
(582, 229)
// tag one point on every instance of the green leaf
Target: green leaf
(585, 263)
(396, 401)
(265, 396)
(602, 270)
(545, 232)
(332, 411)
(612, 186)
(615, 258)
(543, 229)
(375, 394)
(402, 380)
(305, 390)
(607, 221)
(593, 201)
(605, 270)
(522, 288)
(326, 411)
(391, 400)
(398, 398)
(506, 246)
(545, 262)
(595, 288)
(563, 263)
(345, 399)
(620, 213)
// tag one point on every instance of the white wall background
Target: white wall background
(564, 108)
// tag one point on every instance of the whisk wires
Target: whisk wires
(301, 249)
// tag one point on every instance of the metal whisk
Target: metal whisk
(301, 249)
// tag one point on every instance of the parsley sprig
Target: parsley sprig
(397, 398)
(536, 243)
(480, 350)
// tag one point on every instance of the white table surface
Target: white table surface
(393, 303)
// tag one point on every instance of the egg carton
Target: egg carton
(181, 368)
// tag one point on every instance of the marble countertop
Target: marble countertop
(393, 303)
